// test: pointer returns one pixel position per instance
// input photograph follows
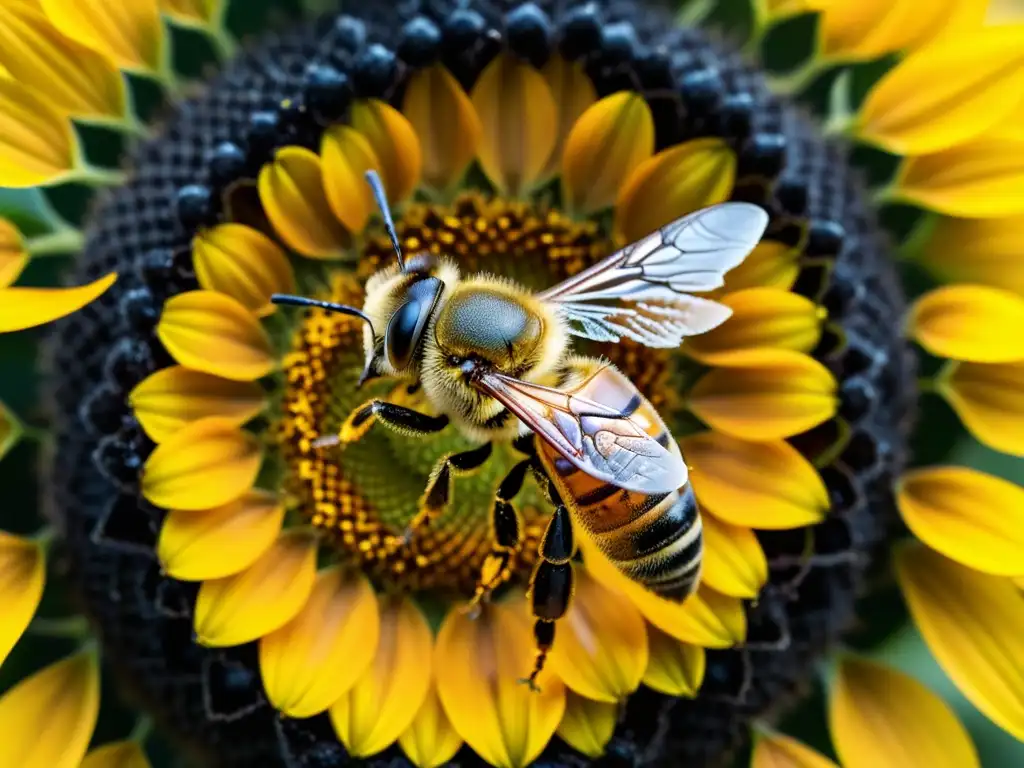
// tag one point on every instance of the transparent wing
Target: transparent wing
(600, 440)
(641, 292)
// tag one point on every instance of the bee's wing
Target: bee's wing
(599, 439)
(640, 292)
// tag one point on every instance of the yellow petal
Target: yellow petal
(479, 665)
(734, 563)
(22, 308)
(46, 720)
(292, 192)
(446, 123)
(384, 700)
(193, 11)
(871, 28)
(587, 725)
(75, 80)
(946, 94)
(982, 179)
(347, 156)
(244, 607)
(761, 317)
(764, 394)
(969, 322)
(431, 740)
(213, 333)
(974, 518)
(983, 251)
(129, 32)
(674, 667)
(13, 258)
(124, 754)
(608, 142)
(244, 264)
(520, 121)
(573, 92)
(175, 397)
(989, 399)
(395, 146)
(693, 621)
(773, 750)
(22, 573)
(601, 646)
(311, 661)
(766, 485)
(974, 625)
(728, 611)
(769, 265)
(673, 183)
(204, 465)
(214, 543)
(881, 718)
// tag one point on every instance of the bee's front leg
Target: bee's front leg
(438, 494)
(396, 417)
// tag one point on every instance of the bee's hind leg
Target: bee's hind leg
(438, 493)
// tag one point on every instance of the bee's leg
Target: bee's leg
(397, 417)
(505, 521)
(551, 587)
(442, 479)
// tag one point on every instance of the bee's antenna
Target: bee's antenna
(330, 306)
(385, 211)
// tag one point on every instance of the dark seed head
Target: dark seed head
(462, 29)
(581, 31)
(420, 42)
(118, 458)
(792, 196)
(328, 92)
(619, 43)
(855, 398)
(195, 206)
(227, 164)
(764, 155)
(824, 238)
(528, 31)
(128, 363)
(139, 309)
(101, 410)
(654, 69)
(263, 136)
(702, 91)
(349, 34)
(374, 71)
(736, 112)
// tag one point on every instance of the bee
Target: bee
(494, 361)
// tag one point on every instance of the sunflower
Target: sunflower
(264, 596)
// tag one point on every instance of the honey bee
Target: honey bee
(493, 360)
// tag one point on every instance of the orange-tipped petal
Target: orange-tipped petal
(395, 146)
(989, 399)
(22, 573)
(347, 156)
(311, 661)
(881, 718)
(764, 394)
(204, 465)
(213, 333)
(692, 621)
(128, 32)
(520, 123)
(573, 93)
(676, 181)
(241, 608)
(431, 740)
(734, 563)
(601, 650)
(384, 700)
(13, 258)
(291, 189)
(47, 719)
(446, 123)
(244, 264)
(479, 665)
(587, 725)
(769, 265)
(77, 81)
(974, 625)
(761, 317)
(971, 517)
(982, 251)
(946, 94)
(766, 485)
(175, 397)
(607, 143)
(969, 322)
(219, 542)
(674, 667)
(22, 308)
(124, 754)
(773, 750)
(980, 179)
